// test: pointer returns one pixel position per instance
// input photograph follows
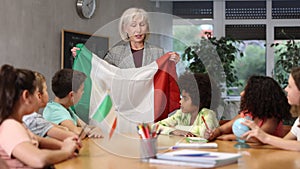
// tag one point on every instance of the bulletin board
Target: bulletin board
(69, 39)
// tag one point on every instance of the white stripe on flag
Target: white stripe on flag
(131, 90)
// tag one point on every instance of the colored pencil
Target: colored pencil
(205, 122)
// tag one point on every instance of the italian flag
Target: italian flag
(135, 95)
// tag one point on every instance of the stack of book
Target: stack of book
(195, 158)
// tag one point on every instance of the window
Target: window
(252, 63)
(286, 37)
(252, 45)
(185, 34)
(188, 34)
(257, 23)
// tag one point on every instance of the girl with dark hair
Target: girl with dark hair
(18, 146)
(264, 102)
(291, 141)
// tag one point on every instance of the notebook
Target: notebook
(195, 142)
(179, 163)
(205, 159)
(195, 145)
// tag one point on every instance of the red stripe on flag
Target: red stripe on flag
(113, 127)
(167, 93)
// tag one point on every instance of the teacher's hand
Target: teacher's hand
(174, 57)
(74, 50)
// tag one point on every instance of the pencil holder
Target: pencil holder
(148, 148)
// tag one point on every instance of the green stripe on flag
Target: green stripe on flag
(103, 109)
(83, 63)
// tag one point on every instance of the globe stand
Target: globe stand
(238, 130)
(241, 144)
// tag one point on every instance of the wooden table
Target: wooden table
(122, 152)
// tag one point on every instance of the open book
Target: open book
(205, 159)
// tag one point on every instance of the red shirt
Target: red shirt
(279, 129)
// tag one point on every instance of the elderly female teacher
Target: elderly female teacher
(134, 51)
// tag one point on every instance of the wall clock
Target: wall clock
(86, 8)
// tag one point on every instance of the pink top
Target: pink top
(13, 133)
(279, 129)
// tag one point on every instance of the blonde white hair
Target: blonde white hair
(128, 16)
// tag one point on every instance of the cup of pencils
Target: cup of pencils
(148, 140)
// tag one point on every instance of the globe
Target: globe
(238, 128)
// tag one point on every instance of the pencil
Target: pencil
(146, 130)
(80, 134)
(205, 122)
(82, 131)
(141, 131)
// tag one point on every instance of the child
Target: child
(291, 140)
(18, 146)
(196, 94)
(36, 123)
(264, 102)
(67, 85)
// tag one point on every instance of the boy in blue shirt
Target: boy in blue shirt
(68, 85)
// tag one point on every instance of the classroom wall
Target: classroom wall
(30, 33)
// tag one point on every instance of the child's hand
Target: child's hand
(211, 134)
(255, 131)
(208, 133)
(189, 134)
(72, 145)
(95, 132)
(182, 133)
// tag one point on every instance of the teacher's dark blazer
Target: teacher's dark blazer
(121, 55)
